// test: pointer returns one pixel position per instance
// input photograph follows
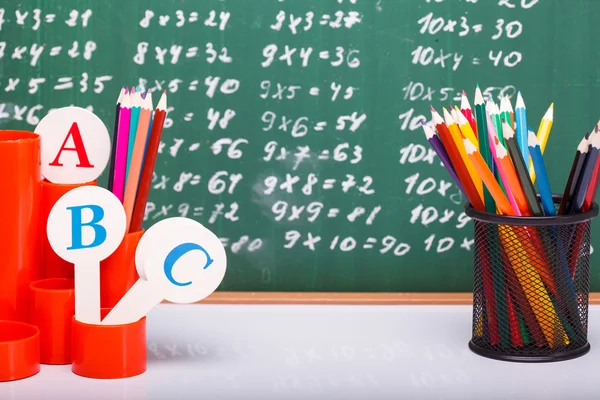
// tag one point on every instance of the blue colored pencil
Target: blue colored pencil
(521, 128)
(540, 171)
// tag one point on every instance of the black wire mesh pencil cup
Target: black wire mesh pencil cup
(531, 286)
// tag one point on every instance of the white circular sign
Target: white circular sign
(183, 258)
(75, 145)
(86, 224)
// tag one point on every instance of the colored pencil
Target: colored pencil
(512, 304)
(489, 179)
(137, 157)
(593, 189)
(489, 284)
(136, 104)
(457, 161)
(512, 113)
(505, 109)
(532, 285)
(139, 207)
(585, 177)
(511, 181)
(115, 138)
(516, 340)
(561, 270)
(576, 168)
(457, 137)
(484, 147)
(493, 129)
(536, 251)
(122, 145)
(521, 127)
(467, 112)
(521, 169)
(438, 146)
(540, 169)
(465, 127)
(492, 109)
(501, 312)
(543, 134)
(520, 299)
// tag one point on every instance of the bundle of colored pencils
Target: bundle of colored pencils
(494, 158)
(527, 272)
(136, 139)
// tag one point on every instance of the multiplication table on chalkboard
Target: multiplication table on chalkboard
(294, 127)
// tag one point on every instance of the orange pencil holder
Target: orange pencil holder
(20, 221)
(109, 351)
(19, 350)
(51, 309)
(53, 266)
(117, 272)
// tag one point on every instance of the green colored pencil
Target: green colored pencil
(484, 146)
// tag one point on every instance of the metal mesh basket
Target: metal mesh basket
(531, 286)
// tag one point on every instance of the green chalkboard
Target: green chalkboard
(293, 128)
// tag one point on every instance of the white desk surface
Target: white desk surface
(320, 352)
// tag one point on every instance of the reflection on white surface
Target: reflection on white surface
(319, 352)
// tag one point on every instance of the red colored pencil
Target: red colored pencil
(139, 208)
(465, 109)
(515, 330)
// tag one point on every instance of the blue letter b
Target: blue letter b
(77, 227)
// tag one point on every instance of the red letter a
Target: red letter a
(79, 148)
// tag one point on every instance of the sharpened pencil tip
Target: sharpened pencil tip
(431, 108)
(520, 103)
(469, 147)
(463, 93)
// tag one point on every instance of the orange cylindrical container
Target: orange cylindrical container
(19, 350)
(109, 351)
(51, 309)
(117, 272)
(52, 265)
(20, 236)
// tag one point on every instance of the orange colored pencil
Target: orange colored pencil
(137, 157)
(457, 161)
(504, 163)
(488, 178)
(457, 137)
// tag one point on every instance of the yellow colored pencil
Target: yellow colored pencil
(457, 137)
(542, 135)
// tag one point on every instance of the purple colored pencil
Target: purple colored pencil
(122, 147)
(438, 146)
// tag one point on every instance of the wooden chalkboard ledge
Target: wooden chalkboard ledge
(346, 298)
